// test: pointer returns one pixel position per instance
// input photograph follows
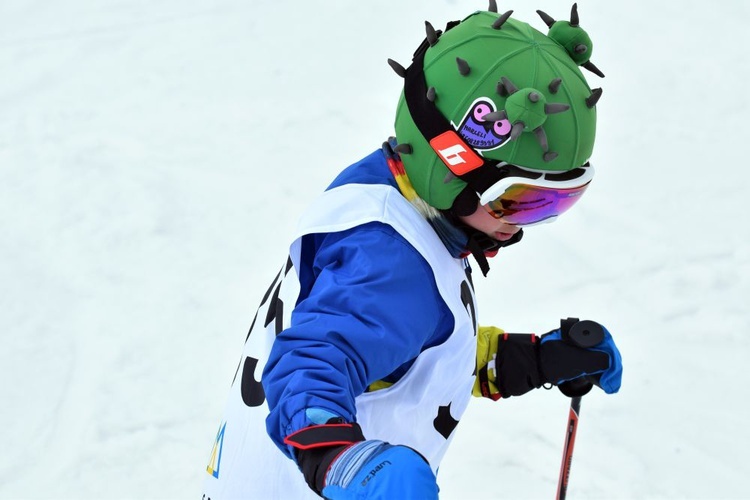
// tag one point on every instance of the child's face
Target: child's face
(492, 227)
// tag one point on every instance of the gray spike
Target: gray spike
(498, 24)
(590, 66)
(496, 116)
(517, 130)
(463, 66)
(512, 89)
(533, 97)
(593, 98)
(554, 85)
(493, 6)
(431, 94)
(548, 20)
(574, 21)
(404, 149)
(555, 107)
(549, 156)
(541, 136)
(432, 36)
(501, 90)
(580, 48)
(400, 70)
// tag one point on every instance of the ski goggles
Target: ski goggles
(525, 197)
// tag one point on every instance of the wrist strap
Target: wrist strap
(318, 446)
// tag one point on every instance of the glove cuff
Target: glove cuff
(484, 382)
(318, 446)
(517, 364)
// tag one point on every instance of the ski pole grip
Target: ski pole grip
(583, 334)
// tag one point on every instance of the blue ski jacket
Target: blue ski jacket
(368, 306)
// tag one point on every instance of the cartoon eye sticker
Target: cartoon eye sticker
(480, 133)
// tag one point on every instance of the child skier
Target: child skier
(365, 350)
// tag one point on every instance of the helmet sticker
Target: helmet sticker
(481, 134)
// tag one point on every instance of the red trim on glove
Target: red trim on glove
(319, 436)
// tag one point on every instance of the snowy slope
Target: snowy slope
(154, 157)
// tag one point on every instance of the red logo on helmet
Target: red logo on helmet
(455, 153)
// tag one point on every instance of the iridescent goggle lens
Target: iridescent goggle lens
(525, 201)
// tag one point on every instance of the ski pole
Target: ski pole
(583, 334)
(570, 439)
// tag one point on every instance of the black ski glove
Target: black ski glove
(525, 361)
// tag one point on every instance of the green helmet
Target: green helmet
(512, 94)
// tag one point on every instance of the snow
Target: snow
(154, 157)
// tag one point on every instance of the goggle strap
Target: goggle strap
(432, 124)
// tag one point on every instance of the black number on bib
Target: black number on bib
(468, 301)
(275, 311)
(250, 388)
(444, 422)
(276, 307)
(263, 301)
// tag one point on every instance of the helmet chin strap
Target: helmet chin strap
(479, 244)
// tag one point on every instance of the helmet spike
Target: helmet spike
(493, 6)
(463, 66)
(432, 36)
(431, 94)
(574, 21)
(404, 149)
(496, 116)
(549, 156)
(590, 66)
(554, 85)
(517, 130)
(498, 24)
(593, 98)
(501, 90)
(541, 136)
(555, 107)
(533, 97)
(548, 20)
(509, 87)
(400, 70)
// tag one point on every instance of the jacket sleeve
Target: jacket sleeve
(368, 305)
